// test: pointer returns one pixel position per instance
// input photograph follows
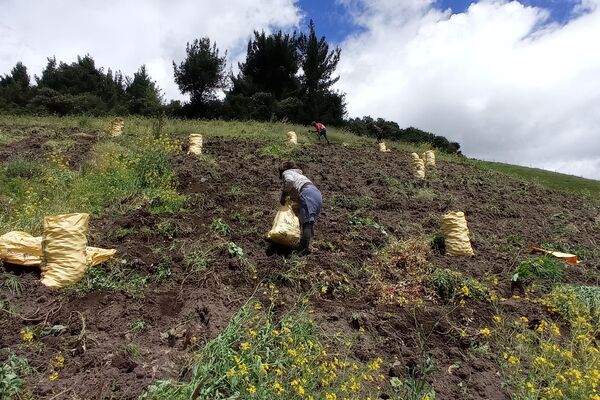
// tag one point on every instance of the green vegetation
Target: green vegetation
(219, 227)
(541, 267)
(262, 356)
(136, 326)
(552, 180)
(352, 202)
(131, 171)
(452, 284)
(12, 372)
(116, 278)
(559, 365)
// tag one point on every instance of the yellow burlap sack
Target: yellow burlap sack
(429, 158)
(64, 243)
(96, 255)
(383, 148)
(418, 166)
(286, 227)
(195, 144)
(292, 138)
(116, 127)
(21, 248)
(456, 234)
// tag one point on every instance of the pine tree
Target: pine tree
(144, 97)
(202, 72)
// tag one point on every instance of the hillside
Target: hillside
(196, 295)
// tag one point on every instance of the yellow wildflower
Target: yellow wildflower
(525, 320)
(497, 319)
(245, 346)
(555, 329)
(330, 396)
(485, 331)
(257, 306)
(251, 389)
(59, 361)
(278, 388)
(54, 376)
(464, 290)
(27, 335)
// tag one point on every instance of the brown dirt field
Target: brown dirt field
(98, 364)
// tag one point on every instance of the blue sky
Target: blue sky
(333, 20)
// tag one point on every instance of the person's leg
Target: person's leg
(311, 203)
(325, 135)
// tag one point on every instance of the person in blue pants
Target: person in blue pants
(302, 191)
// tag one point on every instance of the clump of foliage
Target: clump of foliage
(260, 355)
(541, 267)
(397, 271)
(450, 285)
(11, 376)
(558, 365)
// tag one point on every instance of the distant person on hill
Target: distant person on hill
(302, 191)
(320, 130)
(378, 132)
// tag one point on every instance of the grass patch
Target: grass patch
(264, 357)
(352, 202)
(551, 180)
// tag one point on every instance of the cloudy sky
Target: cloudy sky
(511, 81)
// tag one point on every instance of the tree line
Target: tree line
(285, 76)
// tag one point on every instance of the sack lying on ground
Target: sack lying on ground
(418, 166)
(116, 127)
(456, 234)
(383, 148)
(21, 248)
(195, 144)
(286, 227)
(429, 158)
(569, 258)
(292, 138)
(64, 243)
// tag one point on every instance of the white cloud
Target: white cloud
(126, 34)
(499, 78)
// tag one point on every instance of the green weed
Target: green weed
(541, 267)
(450, 284)
(219, 227)
(12, 283)
(12, 372)
(352, 202)
(22, 168)
(117, 278)
(197, 261)
(264, 357)
(136, 326)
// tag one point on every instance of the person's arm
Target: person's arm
(285, 191)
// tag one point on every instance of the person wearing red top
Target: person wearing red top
(320, 130)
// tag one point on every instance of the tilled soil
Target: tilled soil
(504, 216)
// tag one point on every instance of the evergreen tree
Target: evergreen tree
(271, 66)
(202, 72)
(143, 95)
(15, 89)
(318, 67)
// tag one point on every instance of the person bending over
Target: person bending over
(320, 130)
(302, 191)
